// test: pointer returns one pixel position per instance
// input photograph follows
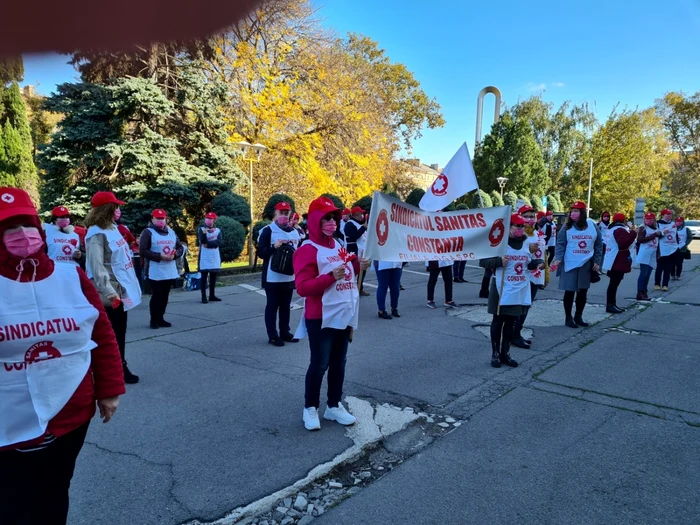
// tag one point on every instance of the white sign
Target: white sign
(639, 205)
(400, 232)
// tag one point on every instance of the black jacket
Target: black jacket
(352, 234)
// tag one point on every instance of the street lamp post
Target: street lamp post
(257, 149)
(502, 183)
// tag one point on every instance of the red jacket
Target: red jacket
(308, 282)
(104, 379)
(624, 240)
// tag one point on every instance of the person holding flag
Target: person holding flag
(510, 293)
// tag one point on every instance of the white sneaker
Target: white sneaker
(340, 415)
(310, 417)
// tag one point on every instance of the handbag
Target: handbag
(686, 255)
(595, 276)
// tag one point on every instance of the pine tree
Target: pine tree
(16, 162)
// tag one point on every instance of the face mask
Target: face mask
(679, 224)
(209, 222)
(529, 221)
(575, 215)
(282, 220)
(22, 242)
(117, 214)
(328, 228)
(649, 222)
(159, 222)
(518, 232)
(63, 223)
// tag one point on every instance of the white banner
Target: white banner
(399, 232)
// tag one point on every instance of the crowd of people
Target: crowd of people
(51, 388)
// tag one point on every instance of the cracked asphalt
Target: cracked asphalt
(595, 426)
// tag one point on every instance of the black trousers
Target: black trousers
(278, 300)
(503, 329)
(486, 282)
(664, 268)
(34, 485)
(677, 265)
(446, 272)
(329, 349)
(118, 318)
(160, 292)
(615, 280)
(211, 277)
(550, 254)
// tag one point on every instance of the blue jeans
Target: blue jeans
(458, 269)
(329, 349)
(388, 279)
(644, 275)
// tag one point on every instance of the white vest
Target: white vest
(121, 263)
(668, 244)
(604, 229)
(278, 234)
(361, 242)
(611, 249)
(553, 239)
(536, 275)
(45, 342)
(60, 245)
(516, 283)
(682, 236)
(580, 246)
(210, 258)
(646, 253)
(163, 245)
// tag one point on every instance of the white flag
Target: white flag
(457, 179)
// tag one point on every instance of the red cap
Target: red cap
(14, 201)
(550, 214)
(159, 214)
(618, 217)
(323, 204)
(283, 206)
(517, 219)
(346, 211)
(294, 216)
(525, 209)
(680, 219)
(105, 197)
(60, 211)
(210, 215)
(650, 215)
(578, 205)
(666, 211)
(540, 214)
(356, 209)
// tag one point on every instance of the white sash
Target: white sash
(61, 245)
(579, 246)
(537, 275)
(45, 342)
(163, 245)
(646, 253)
(668, 244)
(122, 265)
(611, 249)
(682, 236)
(210, 258)
(516, 284)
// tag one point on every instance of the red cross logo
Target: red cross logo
(42, 351)
(497, 232)
(382, 228)
(167, 250)
(439, 187)
(519, 268)
(6, 197)
(582, 244)
(67, 249)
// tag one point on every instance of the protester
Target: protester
(355, 234)
(209, 260)
(668, 246)
(294, 223)
(617, 261)
(277, 243)
(485, 281)
(111, 268)
(535, 243)
(344, 218)
(685, 237)
(388, 278)
(549, 227)
(458, 268)
(510, 290)
(647, 248)
(159, 246)
(435, 268)
(49, 388)
(62, 241)
(326, 277)
(604, 225)
(577, 260)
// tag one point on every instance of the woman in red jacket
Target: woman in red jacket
(326, 276)
(58, 355)
(617, 261)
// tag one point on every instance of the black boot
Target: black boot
(579, 321)
(495, 355)
(610, 308)
(212, 287)
(506, 359)
(204, 297)
(395, 312)
(570, 322)
(384, 315)
(129, 378)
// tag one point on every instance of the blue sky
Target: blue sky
(602, 52)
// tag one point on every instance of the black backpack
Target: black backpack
(281, 260)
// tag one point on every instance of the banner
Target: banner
(398, 232)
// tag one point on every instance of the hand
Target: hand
(112, 297)
(77, 254)
(364, 264)
(504, 260)
(339, 273)
(278, 243)
(540, 266)
(108, 408)
(595, 267)
(169, 257)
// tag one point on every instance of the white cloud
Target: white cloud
(558, 84)
(536, 87)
